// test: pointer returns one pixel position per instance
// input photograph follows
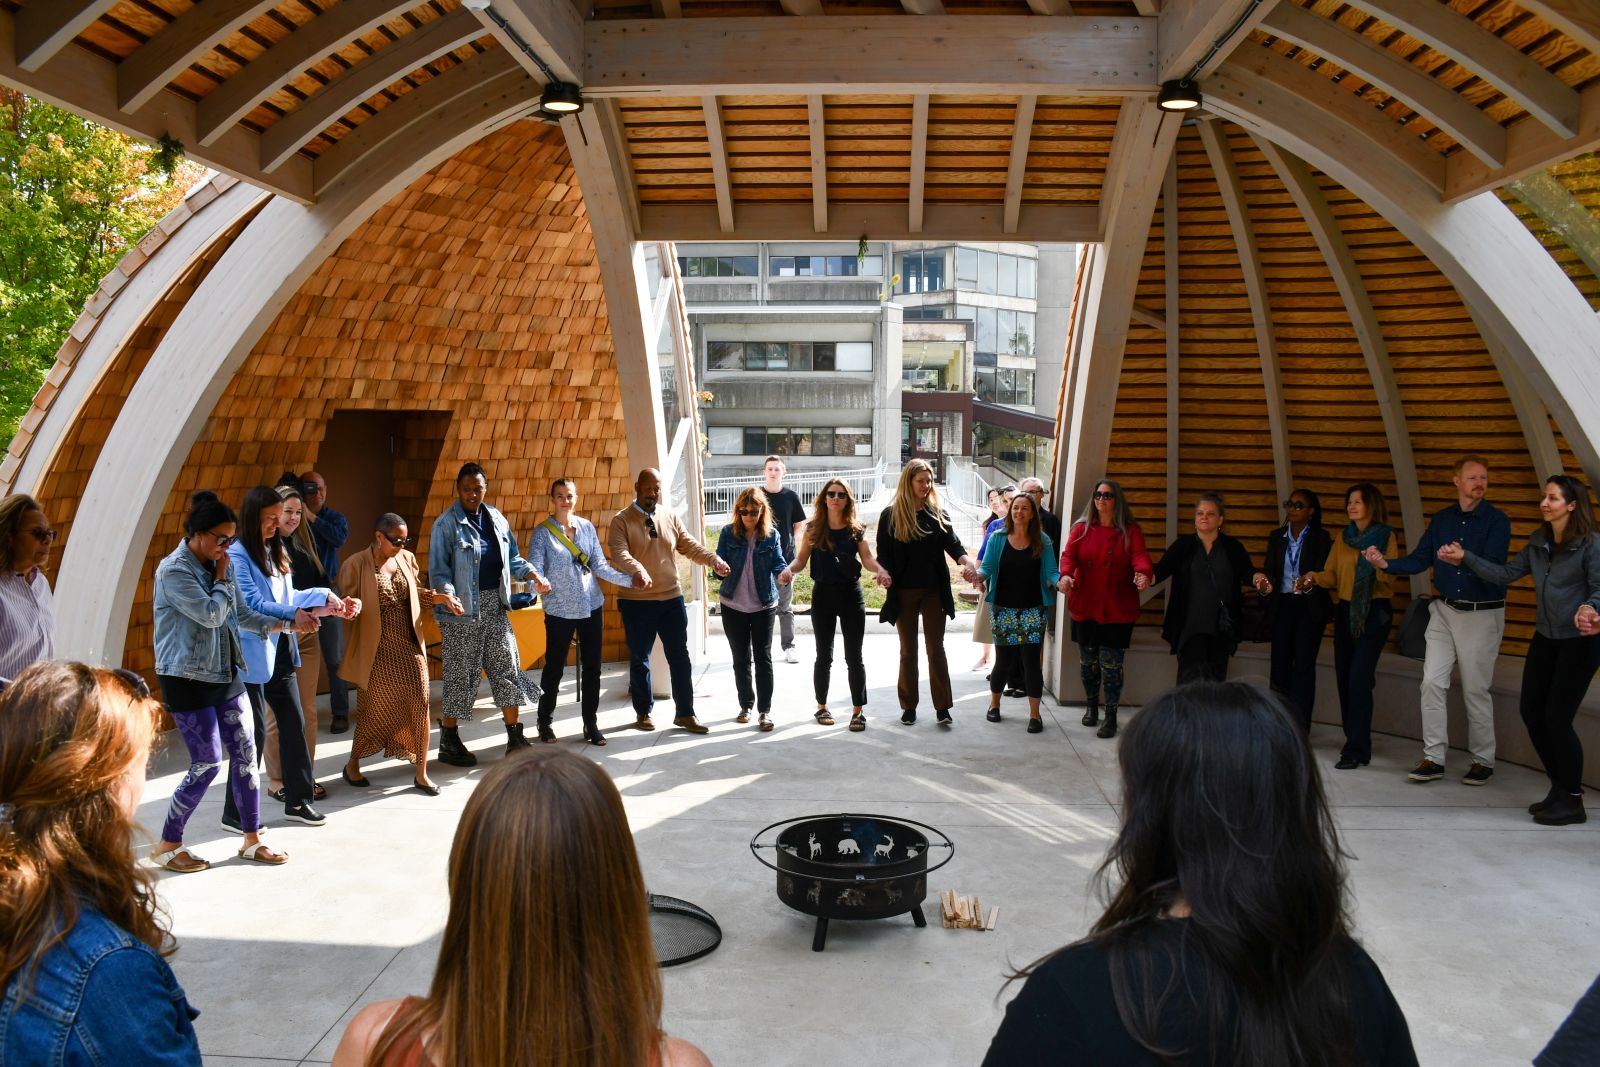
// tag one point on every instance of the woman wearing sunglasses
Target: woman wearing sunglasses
(384, 658)
(27, 610)
(754, 554)
(835, 544)
(199, 615)
(1299, 546)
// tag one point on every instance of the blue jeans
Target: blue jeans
(1355, 665)
(642, 622)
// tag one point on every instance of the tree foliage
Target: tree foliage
(74, 197)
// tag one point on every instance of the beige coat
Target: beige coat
(357, 578)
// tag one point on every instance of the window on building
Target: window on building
(921, 379)
(719, 266)
(966, 268)
(1008, 275)
(725, 440)
(924, 313)
(988, 272)
(853, 356)
(789, 440)
(755, 441)
(724, 355)
(789, 356)
(1025, 278)
(800, 355)
(1004, 385)
(822, 355)
(825, 266)
(852, 441)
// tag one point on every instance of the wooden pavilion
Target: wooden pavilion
(1372, 248)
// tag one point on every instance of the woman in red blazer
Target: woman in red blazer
(1106, 565)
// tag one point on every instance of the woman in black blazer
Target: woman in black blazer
(1299, 546)
(1207, 569)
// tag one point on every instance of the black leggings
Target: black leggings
(1555, 676)
(835, 604)
(282, 696)
(558, 635)
(1012, 659)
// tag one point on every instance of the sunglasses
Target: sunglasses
(222, 540)
(1295, 505)
(43, 535)
(836, 494)
(1105, 496)
(749, 511)
(650, 524)
(134, 682)
(398, 542)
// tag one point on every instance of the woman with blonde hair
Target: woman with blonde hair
(546, 958)
(753, 550)
(835, 544)
(81, 939)
(913, 536)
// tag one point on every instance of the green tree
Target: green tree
(74, 197)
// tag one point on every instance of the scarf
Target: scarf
(1366, 574)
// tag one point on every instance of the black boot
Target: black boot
(452, 751)
(1109, 727)
(1565, 810)
(1549, 798)
(514, 738)
(1091, 714)
(547, 735)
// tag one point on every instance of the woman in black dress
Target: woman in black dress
(1207, 569)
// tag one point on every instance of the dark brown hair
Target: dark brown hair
(12, 510)
(1581, 523)
(1378, 511)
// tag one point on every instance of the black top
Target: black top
(837, 561)
(1066, 1013)
(1175, 565)
(916, 564)
(1314, 551)
(1052, 525)
(1210, 579)
(490, 563)
(1018, 583)
(786, 511)
(306, 572)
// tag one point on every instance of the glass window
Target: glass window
(755, 441)
(799, 356)
(781, 266)
(986, 329)
(1005, 329)
(853, 356)
(822, 356)
(1024, 337)
(755, 356)
(852, 441)
(911, 272)
(724, 355)
(988, 272)
(746, 266)
(1008, 275)
(822, 441)
(966, 268)
(1025, 278)
(780, 442)
(933, 270)
(985, 359)
(725, 440)
(1025, 388)
(984, 383)
(777, 355)
(872, 266)
(920, 379)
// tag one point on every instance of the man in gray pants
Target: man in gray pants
(789, 518)
(1465, 622)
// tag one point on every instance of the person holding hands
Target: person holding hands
(753, 550)
(1020, 581)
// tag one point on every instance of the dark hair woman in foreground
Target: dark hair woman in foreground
(1226, 939)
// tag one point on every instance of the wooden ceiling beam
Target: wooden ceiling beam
(802, 7)
(86, 84)
(152, 65)
(1147, 7)
(1530, 148)
(817, 119)
(264, 75)
(384, 67)
(1189, 27)
(1017, 166)
(667, 9)
(1145, 317)
(1052, 7)
(718, 147)
(886, 222)
(869, 54)
(916, 193)
(923, 7)
(1578, 19)
(1453, 113)
(554, 29)
(1545, 96)
(46, 27)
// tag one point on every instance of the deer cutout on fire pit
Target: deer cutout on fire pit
(788, 886)
(853, 898)
(848, 847)
(816, 847)
(814, 894)
(882, 851)
(893, 895)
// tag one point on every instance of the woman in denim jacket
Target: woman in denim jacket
(260, 564)
(750, 547)
(199, 617)
(81, 944)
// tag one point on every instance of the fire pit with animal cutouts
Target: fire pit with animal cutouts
(852, 866)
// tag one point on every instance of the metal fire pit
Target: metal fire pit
(852, 866)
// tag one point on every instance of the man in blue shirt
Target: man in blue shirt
(330, 530)
(1465, 623)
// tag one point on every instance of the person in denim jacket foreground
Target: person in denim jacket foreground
(753, 551)
(81, 944)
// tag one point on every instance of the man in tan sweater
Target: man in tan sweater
(645, 538)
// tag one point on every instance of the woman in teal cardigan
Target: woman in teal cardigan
(1020, 580)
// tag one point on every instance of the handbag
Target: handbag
(1414, 628)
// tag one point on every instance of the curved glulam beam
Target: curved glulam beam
(1545, 96)
(1578, 19)
(1520, 297)
(384, 67)
(1451, 112)
(191, 35)
(47, 26)
(1188, 28)
(264, 75)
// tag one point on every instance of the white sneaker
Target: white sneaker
(789, 655)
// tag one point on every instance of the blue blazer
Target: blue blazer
(260, 653)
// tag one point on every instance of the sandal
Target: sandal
(743, 716)
(823, 718)
(764, 723)
(318, 792)
(180, 860)
(261, 852)
(858, 722)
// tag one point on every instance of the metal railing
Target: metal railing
(966, 499)
(720, 493)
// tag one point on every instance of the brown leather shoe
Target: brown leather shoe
(690, 723)
(644, 723)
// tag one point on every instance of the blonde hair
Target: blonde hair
(754, 496)
(817, 528)
(905, 526)
(547, 958)
(69, 734)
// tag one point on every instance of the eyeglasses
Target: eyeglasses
(836, 494)
(749, 511)
(134, 681)
(650, 524)
(398, 542)
(43, 535)
(1105, 496)
(1295, 505)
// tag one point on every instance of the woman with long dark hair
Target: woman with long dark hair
(547, 910)
(307, 572)
(753, 550)
(835, 544)
(27, 607)
(1207, 568)
(1020, 581)
(999, 501)
(914, 536)
(1362, 618)
(1563, 556)
(1226, 938)
(1104, 566)
(82, 974)
(1299, 546)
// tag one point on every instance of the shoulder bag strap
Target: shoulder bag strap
(560, 535)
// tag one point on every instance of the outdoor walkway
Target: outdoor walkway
(1483, 923)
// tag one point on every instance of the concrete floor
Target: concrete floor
(1484, 923)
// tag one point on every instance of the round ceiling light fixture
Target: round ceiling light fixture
(1179, 95)
(561, 98)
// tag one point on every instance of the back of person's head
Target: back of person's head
(1223, 810)
(74, 741)
(547, 956)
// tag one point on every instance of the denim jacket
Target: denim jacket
(98, 998)
(197, 618)
(453, 558)
(769, 562)
(280, 600)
